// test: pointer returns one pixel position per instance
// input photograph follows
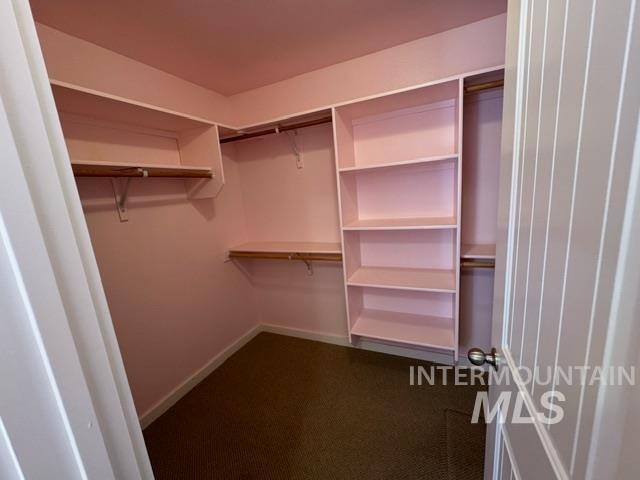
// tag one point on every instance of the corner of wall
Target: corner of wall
(470, 47)
(77, 62)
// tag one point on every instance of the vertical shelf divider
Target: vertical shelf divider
(456, 308)
(338, 127)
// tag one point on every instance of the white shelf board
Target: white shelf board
(407, 328)
(484, 252)
(75, 100)
(418, 279)
(416, 223)
(288, 247)
(140, 165)
(415, 161)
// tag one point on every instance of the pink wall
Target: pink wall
(174, 302)
(474, 46)
(288, 297)
(77, 62)
(281, 201)
(471, 47)
(284, 203)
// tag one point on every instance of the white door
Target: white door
(48, 428)
(66, 410)
(568, 185)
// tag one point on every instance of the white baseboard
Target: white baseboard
(334, 339)
(426, 355)
(343, 340)
(181, 390)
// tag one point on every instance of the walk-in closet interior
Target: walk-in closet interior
(320, 175)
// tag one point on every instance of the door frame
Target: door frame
(508, 182)
(37, 134)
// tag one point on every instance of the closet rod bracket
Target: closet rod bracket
(121, 194)
(309, 266)
(306, 261)
(293, 140)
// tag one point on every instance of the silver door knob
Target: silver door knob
(479, 358)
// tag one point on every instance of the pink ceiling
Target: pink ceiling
(235, 45)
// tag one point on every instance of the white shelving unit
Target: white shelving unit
(108, 137)
(398, 162)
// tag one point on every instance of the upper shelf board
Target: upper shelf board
(415, 161)
(78, 102)
(416, 279)
(416, 223)
(484, 252)
(115, 169)
(289, 247)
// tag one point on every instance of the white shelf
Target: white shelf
(481, 252)
(288, 247)
(417, 223)
(121, 169)
(139, 165)
(408, 328)
(417, 279)
(415, 161)
(95, 105)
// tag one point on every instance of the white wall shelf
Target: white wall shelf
(109, 137)
(121, 169)
(481, 252)
(411, 329)
(410, 223)
(287, 247)
(400, 164)
(418, 279)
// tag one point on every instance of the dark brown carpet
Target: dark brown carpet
(286, 408)
(464, 441)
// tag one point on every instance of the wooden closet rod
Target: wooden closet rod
(80, 170)
(325, 257)
(277, 129)
(477, 264)
(484, 86)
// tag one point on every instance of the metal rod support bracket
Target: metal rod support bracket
(121, 193)
(309, 266)
(293, 136)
